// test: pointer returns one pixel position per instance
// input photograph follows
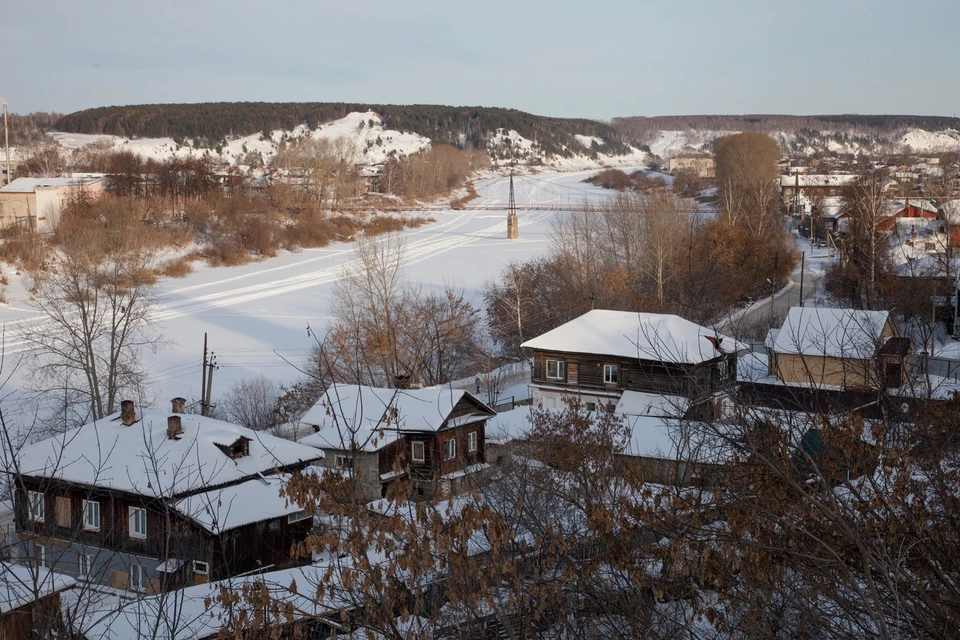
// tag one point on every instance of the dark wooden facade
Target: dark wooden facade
(583, 372)
(169, 536)
(41, 618)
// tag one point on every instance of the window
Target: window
(449, 449)
(138, 522)
(344, 461)
(591, 406)
(297, 516)
(556, 369)
(40, 555)
(91, 515)
(138, 578)
(62, 511)
(85, 561)
(418, 451)
(610, 374)
(37, 505)
(472, 441)
(201, 568)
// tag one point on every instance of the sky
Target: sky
(596, 59)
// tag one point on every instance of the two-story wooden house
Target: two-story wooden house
(433, 436)
(151, 501)
(603, 354)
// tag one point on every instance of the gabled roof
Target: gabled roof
(836, 333)
(628, 334)
(140, 459)
(239, 505)
(29, 185)
(20, 585)
(370, 418)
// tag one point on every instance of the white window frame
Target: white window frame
(84, 564)
(343, 461)
(561, 373)
(135, 515)
(423, 451)
(453, 449)
(201, 568)
(611, 374)
(297, 516)
(138, 577)
(91, 507)
(37, 505)
(472, 439)
(40, 554)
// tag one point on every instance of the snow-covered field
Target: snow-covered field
(256, 315)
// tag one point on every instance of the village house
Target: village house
(844, 349)
(608, 357)
(34, 204)
(30, 602)
(153, 501)
(799, 187)
(434, 437)
(702, 166)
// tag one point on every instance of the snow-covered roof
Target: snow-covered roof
(510, 425)
(197, 612)
(894, 207)
(638, 403)
(29, 185)
(20, 585)
(627, 334)
(238, 505)
(837, 333)
(817, 180)
(141, 459)
(370, 418)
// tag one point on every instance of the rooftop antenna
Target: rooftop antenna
(513, 228)
(6, 139)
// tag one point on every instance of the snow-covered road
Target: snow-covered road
(256, 314)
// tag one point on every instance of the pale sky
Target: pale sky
(594, 58)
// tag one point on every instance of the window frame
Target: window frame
(84, 564)
(133, 517)
(561, 373)
(298, 516)
(87, 526)
(423, 451)
(137, 570)
(473, 442)
(453, 449)
(37, 505)
(40, 554)
(343, 461)
(201, 572)
(611, 379)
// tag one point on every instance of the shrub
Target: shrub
(177, 268)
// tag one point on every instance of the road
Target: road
(752, 322)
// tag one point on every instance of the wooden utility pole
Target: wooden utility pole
(803, 255)
(6, 140)
(203, 379)
(210, 368)
(513, 226)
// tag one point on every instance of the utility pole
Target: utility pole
(803, 255)
(203, 379)
(513, 227)
(210, 368)
(6, 140)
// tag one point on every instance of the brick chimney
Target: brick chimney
(128, 414)
(174, 427)
(179, 405)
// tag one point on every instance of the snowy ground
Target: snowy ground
(256, 314)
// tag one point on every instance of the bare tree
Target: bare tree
(252, 403)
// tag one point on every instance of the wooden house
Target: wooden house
(30, 602)
(602, 354)
(434, 437)
(843, 349)
(153, 501)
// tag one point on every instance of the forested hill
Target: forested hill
(641, 129)
(210, 123)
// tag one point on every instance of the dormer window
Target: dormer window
(238, 449)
